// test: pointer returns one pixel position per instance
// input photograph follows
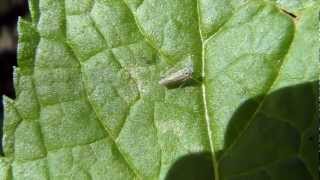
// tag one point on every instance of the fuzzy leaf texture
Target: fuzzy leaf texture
(89, 105)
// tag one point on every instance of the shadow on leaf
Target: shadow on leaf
(191, 167)
(276, 139)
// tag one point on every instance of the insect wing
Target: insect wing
(177, 77)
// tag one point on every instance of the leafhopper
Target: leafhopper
(178, 76)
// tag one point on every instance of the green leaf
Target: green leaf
(89, 105)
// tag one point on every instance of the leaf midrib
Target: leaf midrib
(204, 99)
(203, 87)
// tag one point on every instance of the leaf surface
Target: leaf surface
(89, 105)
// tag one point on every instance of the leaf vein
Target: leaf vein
(100, 119)
(203, 88)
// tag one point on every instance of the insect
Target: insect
(178, 76)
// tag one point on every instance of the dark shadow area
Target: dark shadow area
(1, 124)
(280, 139)
(16, 8)
(7, 62)
(297, 105)
(240, 119)
(192, 167)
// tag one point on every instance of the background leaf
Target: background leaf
(89, 105)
